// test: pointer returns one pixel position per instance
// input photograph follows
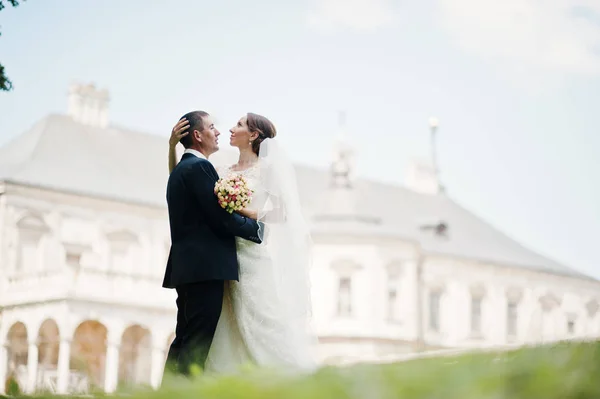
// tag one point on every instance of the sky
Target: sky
(514, 85)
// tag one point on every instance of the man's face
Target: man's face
(209, 137)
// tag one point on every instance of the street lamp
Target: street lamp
(433, 126)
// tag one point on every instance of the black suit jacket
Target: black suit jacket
(202, 233)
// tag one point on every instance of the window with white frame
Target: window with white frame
(121, 244)
(392, 302)
(592, 308)
(512, 319)
(28, 254)
(476, 304)
(31, 229)
(73, 253)
(434, 310)
(393, 292)
(344, 308)
(345, 270)
(571, 324)
(476, 310)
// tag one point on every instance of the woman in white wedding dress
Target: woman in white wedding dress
(264, 319)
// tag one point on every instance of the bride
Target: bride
(264, 318)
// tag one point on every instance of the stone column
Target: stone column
(514, 296)
(111, 372)
(549, 303)
(3, 364)
(32, 367)
(158, 363)
(592, 308)
(64, 369)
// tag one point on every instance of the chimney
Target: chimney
(88, 105)
(421, 177)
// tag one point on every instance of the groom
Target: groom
(203, 253)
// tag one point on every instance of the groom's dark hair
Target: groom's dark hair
(196, 123)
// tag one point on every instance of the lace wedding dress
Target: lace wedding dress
(258, 323)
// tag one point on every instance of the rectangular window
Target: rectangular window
(571, 326)
(511, 319)
(345, 296)
(434, 311)
(476, 315)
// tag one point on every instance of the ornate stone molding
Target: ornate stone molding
(346, 267)
(592, 307)
(549, 302)
(32, 227)
(437, 288)
(478, 291)
(121, 240)
(514, 294)
(395, 269)
(74, 252)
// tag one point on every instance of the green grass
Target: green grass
(563, 371)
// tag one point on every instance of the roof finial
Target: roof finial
(341, 167)
(88, 105)
(433, 125)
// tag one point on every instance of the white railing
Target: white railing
(85, 283)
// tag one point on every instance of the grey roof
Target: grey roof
(117, 163)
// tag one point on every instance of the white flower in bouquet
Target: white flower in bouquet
(233, 193)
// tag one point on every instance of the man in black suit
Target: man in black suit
(203, 252)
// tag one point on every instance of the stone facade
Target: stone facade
(82, 261)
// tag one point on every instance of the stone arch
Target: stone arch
(135, 356)
(48, 342)
(17, 351)
(88, 351)
(32, 221)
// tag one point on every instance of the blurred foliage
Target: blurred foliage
(13, 3)
(550, 372)
(5, 83)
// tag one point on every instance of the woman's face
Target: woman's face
(241, 137)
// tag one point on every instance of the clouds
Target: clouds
(545, 35)
(539, 36)
(360, 15)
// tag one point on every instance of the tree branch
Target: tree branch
(5, 83)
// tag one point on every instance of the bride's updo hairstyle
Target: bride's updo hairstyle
(261, 125)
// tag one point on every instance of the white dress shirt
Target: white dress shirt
(195, 152)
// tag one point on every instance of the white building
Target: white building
(84, 239)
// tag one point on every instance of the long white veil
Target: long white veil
(286, 234)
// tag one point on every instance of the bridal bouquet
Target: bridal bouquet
(233, 193)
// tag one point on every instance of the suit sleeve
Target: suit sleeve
(202, 182)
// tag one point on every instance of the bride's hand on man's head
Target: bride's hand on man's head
(179, 131)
